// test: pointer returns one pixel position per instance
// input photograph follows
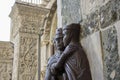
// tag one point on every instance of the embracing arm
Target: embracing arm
(59, 65)
(65, 55)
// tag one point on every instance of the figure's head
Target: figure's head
(59, 39)
(71, 33)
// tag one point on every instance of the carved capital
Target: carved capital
(27, 18)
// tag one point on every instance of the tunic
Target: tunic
(75, 63)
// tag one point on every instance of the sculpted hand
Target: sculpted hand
(53, 69)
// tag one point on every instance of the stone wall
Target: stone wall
(110, 45)
(102, 17)
(6, 60)
(100, 33)
(68, 11)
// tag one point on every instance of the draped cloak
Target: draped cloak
(75, 63)
(53, 59)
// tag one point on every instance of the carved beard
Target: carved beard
(60, 46)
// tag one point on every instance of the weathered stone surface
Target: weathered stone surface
(92, 47)
(88, 6)
(110, 54)
(27, 19)
(91, 24)
(59, 11)
(101, 17)
(70, 11)
(48, 22)
(16, 58)
(32, 2)
(28, 60)
(25, 62)
(109, 13)
(117, 26)
(6, 59)
(50, 26)
(97, 15)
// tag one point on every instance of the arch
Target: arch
(49, 23)
(49, 26)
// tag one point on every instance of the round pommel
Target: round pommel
(59, 33)
(73, 26)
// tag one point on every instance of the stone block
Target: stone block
(70, 11)
(92, 47)
(111, 62)
(117, 26)
(102, 17)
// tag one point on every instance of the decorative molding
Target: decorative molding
(6, 51)
(48, 24)
(6, 58)
(24, 9)
(27, 18)
(28, 61)
(26, 23)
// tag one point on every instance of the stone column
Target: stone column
(44, 57)
(26, 23)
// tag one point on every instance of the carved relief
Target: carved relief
(23, 15)
(30, 24)
(26, 19)
(28, 58)
(42, 75)
(5, 53)
(5, 71)
(6, 56)
(48, 23)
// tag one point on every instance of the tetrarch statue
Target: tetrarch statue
(72, 64)
(59, 74)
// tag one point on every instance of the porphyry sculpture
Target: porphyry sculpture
(73, 60)
(58, 41)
